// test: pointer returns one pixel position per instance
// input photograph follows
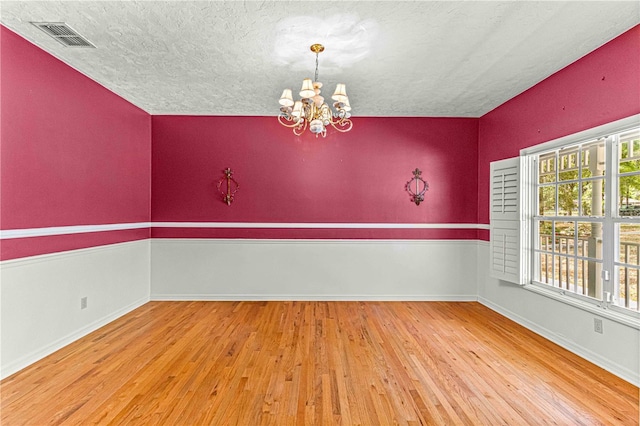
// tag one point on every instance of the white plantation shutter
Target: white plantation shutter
(505, 187)
(509, 256)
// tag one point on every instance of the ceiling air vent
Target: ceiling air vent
(64, 34)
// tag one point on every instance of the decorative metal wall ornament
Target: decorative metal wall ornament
(416, 187)
(232, 186)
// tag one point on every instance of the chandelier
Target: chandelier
(311, 111)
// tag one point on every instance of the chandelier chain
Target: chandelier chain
(316, 77)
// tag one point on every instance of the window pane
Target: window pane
(629, 149)
(590, 240)
(582, 277)
(545, 268)
(568, 164)
(629, 237)
(629, 193)
(568, 199)
(564, 237)
(564, 273)
(557, 271)
(593, 159)
(593, 279)
(547, 201)
(545, 230)
(592, 198)
(627, 290)
(547, 168)
(588, 272)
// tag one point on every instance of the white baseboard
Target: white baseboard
(315, 297)
(17, 365)
(620, 371)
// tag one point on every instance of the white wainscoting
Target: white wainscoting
(199, 269)
(40, 297)
(617, 350)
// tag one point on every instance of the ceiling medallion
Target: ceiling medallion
(311, 111)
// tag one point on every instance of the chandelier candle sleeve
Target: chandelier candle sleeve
(311, 111)
(297, 111)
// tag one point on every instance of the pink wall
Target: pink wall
(601, 87)
(356, 177)
(73, 153)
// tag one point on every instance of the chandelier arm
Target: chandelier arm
(343, 125)
(339, 118)
(341, 114)
(285, 123)
(299, 130)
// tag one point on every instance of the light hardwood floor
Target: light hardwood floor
(308, 363)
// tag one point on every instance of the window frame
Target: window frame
(611, 220)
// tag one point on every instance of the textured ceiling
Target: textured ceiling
(430, 58)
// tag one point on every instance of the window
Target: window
(586, 216)
(627, 223)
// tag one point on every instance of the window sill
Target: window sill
(597, 309)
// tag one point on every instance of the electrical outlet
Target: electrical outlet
(83, 303)
(597, 325)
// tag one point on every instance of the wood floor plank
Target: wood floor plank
(315, 363)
